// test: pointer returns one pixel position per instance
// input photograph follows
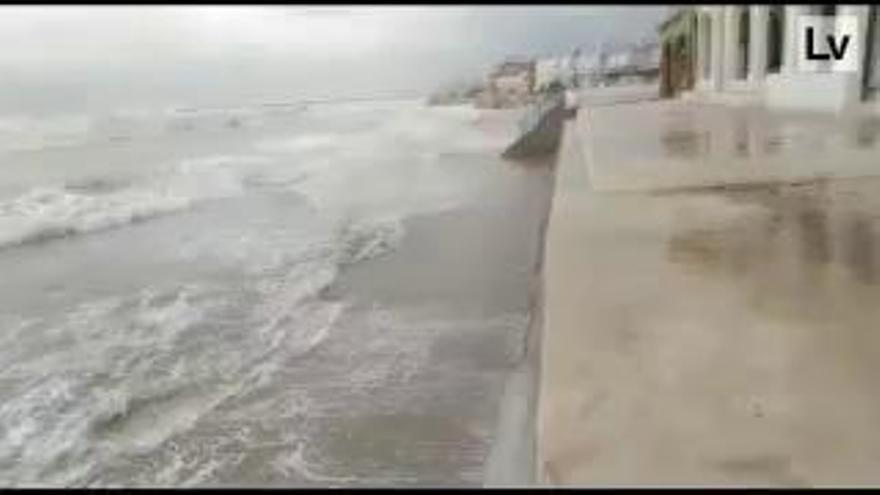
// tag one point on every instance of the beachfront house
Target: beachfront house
(750, 54)
(633, 63)
(548, 70)
(512, 83)
(609, 65)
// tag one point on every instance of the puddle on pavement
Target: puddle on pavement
(805, 246)
(867, 133)
(685, 143)
(756, 135)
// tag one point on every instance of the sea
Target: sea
(273, 294)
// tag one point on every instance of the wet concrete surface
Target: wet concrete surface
(701, 330)
(680, 144)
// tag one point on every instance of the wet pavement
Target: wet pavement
(677, 144)
(711, 285)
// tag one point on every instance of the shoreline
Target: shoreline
(506, 230)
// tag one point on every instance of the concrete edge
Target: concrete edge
(571, 131)
(513, 458)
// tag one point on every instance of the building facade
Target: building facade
(511, 83)
(748, 54)
(548, 70)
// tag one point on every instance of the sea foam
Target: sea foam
(47, 213)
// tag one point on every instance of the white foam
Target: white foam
(52, 212)
(121, 376)
(305, 142)
(396, 166)
(369, 239)
(295, 463)
(26, 133)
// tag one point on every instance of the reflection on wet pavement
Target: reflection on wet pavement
(866, 133)
(823, 222)
(679, 144)
(686, 143)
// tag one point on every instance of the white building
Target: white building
(511, 83)
(646, 56)
(547, 70)
(619, 60)
(748, 53)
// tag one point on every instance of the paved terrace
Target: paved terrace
(712, 279)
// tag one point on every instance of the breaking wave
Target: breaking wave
(121, 377)
(47, 213)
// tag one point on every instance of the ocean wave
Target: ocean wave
(48, 213)
(25, 133)
(119, 378)
(302, 143)
(124, 377)
(369, 239)
(113, 380)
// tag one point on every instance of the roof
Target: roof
(511, 68)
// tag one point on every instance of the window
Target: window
(827, 9)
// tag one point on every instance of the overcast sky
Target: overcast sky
(58, 58)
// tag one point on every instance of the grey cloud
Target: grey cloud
(87, 57)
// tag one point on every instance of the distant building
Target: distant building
(748, 53)
(566, 70)
(617, 61)
(607, 65)
(548, 70)
(588, 68)
(512, 83)
(646, 57)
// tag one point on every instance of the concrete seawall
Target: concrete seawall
(570, 174)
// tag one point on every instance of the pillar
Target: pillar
(790, 37)
(719, 35)
(758, 45)
(855, 80)
(731, 35)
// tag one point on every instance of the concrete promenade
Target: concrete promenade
(711, 316)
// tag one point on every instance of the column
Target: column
(718, 34)
(704, 45)
(758, 45)
(731, 33)
(855, 80)
(790, 38)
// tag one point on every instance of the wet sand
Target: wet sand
(456, 296)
